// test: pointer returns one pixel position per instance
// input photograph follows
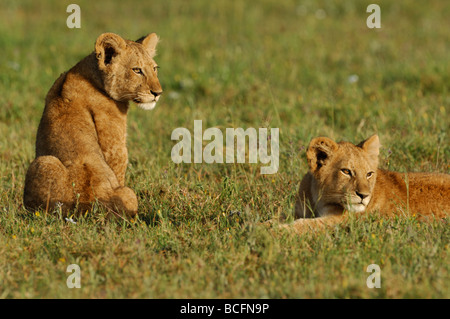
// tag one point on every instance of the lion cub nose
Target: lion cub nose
(362, 195)
(156, 93)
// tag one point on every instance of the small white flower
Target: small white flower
(187, 83)
(70, 220)
(13, 65)
(302, 10)
(353, 78)
(174, 95)
(321, 14)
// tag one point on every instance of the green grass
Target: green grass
(233, 64)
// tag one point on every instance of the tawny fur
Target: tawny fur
(81, 153)
(328, 193)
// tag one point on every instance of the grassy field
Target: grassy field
(309, 68)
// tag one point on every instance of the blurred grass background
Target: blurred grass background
(308, 68)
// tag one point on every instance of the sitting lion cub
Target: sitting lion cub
(345, 177)
(81, 153)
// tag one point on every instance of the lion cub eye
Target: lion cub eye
(346, 171)
(156, 68)
(137, 71)
(369, 175)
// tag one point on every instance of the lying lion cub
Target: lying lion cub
(81, 153)
(345, 177)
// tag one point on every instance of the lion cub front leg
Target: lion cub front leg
(304, 225)
(98, 181)
(124, 199)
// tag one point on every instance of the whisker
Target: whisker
(127, 96)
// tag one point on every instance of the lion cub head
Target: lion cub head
(345, 173)
(127, 68)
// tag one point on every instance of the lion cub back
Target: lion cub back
(420, 194)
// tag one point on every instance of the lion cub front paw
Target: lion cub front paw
(124, 200)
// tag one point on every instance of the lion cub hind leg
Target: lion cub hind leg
(47, 184)
(97, 181)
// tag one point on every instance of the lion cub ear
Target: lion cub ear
(107, 46)
(149, 42)
(319, 152)
(371, 146)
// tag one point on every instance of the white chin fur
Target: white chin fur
(355, 208)
(147, 106)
